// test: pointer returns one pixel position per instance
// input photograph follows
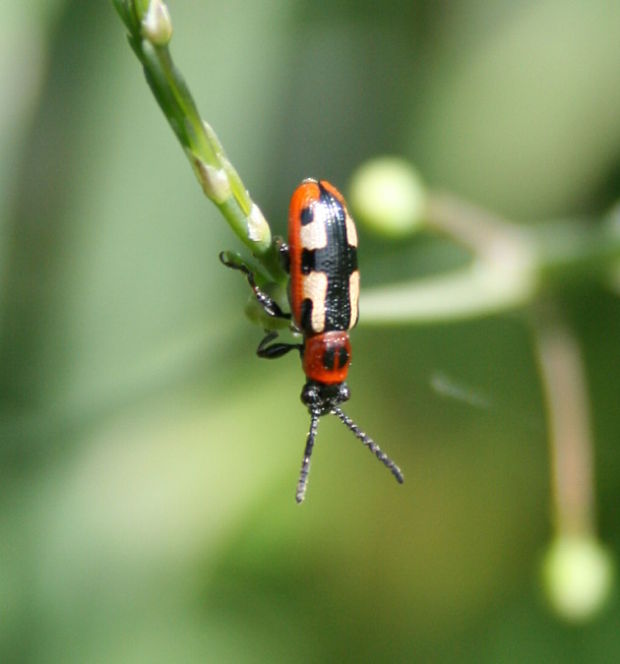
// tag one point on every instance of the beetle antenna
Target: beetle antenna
(305, 465)
(370, 444)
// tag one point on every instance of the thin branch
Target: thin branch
(501, 276)
(150, 31)
(568, 413)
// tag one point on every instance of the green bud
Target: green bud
(214, 141)
(214, 181)
(388, 195)
(238, 188)
(258, 228)
(239, 191)
(156, 24)
(578, 575)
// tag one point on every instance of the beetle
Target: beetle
(323, 293)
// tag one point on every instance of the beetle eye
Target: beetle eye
(310, 394)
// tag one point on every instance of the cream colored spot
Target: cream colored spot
(315, 289)
(354, 292)
(351, 231)
(313, 235)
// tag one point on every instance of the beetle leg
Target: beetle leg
(285, 258)
(269, 305)
(270, 352)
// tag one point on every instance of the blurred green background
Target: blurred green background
(148, 460)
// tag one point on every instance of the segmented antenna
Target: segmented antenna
(370, 444)
(305, 465)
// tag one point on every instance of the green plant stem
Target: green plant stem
(568, 416)
(501, 275)
(150, 31)
(510, 267)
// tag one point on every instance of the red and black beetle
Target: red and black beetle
(321, 258)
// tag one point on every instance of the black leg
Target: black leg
(285, 258)
(270, 306)
(272, 351)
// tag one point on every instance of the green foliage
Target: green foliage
(148, 461)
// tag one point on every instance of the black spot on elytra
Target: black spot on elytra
(307, 215)
(329, 358)
(307, 261)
